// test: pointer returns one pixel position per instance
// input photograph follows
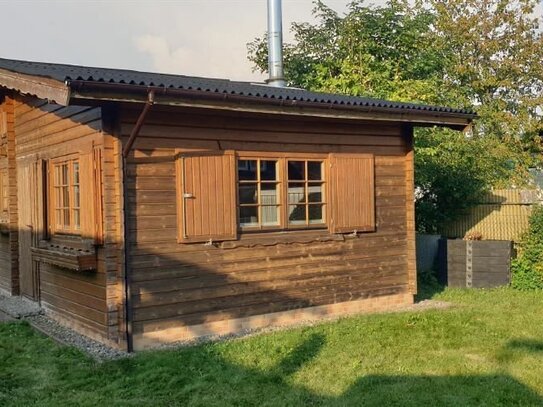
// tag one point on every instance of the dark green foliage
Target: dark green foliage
(453, 171)
(380, 51)
(527, 268)
(427, 285)
(478, 54)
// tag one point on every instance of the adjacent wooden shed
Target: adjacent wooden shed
(142, 208)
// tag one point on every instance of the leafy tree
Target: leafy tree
(452, 172)
(480, 54)
(493, 51)
(385, 52)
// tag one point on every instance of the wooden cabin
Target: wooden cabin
(142, 208)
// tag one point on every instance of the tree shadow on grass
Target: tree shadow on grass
(528, 345)
(518, 348)
(212, 375)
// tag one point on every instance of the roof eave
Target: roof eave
(89, 91)
(40, 87)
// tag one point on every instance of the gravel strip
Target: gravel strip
(18, 307)
(28, 311)
(68, 337)
(5, 317)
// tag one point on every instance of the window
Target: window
(66, 212)
(258, 193)
(72, 195)
(261, 203)
(221, 193)
(305, 193)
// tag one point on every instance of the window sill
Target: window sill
(283, 237)
(71, 258)
(75, 242)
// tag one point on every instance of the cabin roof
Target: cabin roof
(73, 82)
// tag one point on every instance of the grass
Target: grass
(485, 351)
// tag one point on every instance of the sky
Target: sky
(190, 37)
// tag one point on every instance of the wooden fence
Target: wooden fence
(500, 215)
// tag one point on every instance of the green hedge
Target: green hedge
(527, 268)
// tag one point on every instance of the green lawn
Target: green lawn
(487, 350)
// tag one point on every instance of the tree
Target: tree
(452, 172)
(493, 51)
(384, 52)
(480, 54)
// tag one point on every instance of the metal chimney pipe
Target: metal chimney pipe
(275, 44)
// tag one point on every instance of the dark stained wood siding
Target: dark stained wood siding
(185, 284)
(9, 265)
(44, 131)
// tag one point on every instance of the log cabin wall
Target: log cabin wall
(44, 132)
(178, 285)
(9, 267)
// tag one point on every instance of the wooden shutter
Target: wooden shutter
(352, 193)
(91, 195)
(3, 124)
(86, 195)
(207, 197)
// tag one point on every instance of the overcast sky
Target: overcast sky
(191, 37)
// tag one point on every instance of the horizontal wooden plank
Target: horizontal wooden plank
(201, 286)
(262, 308)
(143, 258)
(78, 297)
(259, 122)
(74, 308)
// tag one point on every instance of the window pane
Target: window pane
(314, 193)
(314, 170)
(57, 175)
(58, 198)
(268, 170)
(64, 174)
(248, 215)
(247, 170)
(58, 217)
(77, 221)
(268, 194)
(296, 170)
(66, 218)
(76, 172)
(316, 214)
(296, 192)
(248, 194)
(76, 196)
(65, 197)
(296, 214)
(270, 215)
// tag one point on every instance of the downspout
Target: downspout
(127, 275)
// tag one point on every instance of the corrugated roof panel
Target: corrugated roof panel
(62, 73)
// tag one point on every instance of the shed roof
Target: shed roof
(70, 80)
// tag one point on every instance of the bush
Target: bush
(527, 268)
